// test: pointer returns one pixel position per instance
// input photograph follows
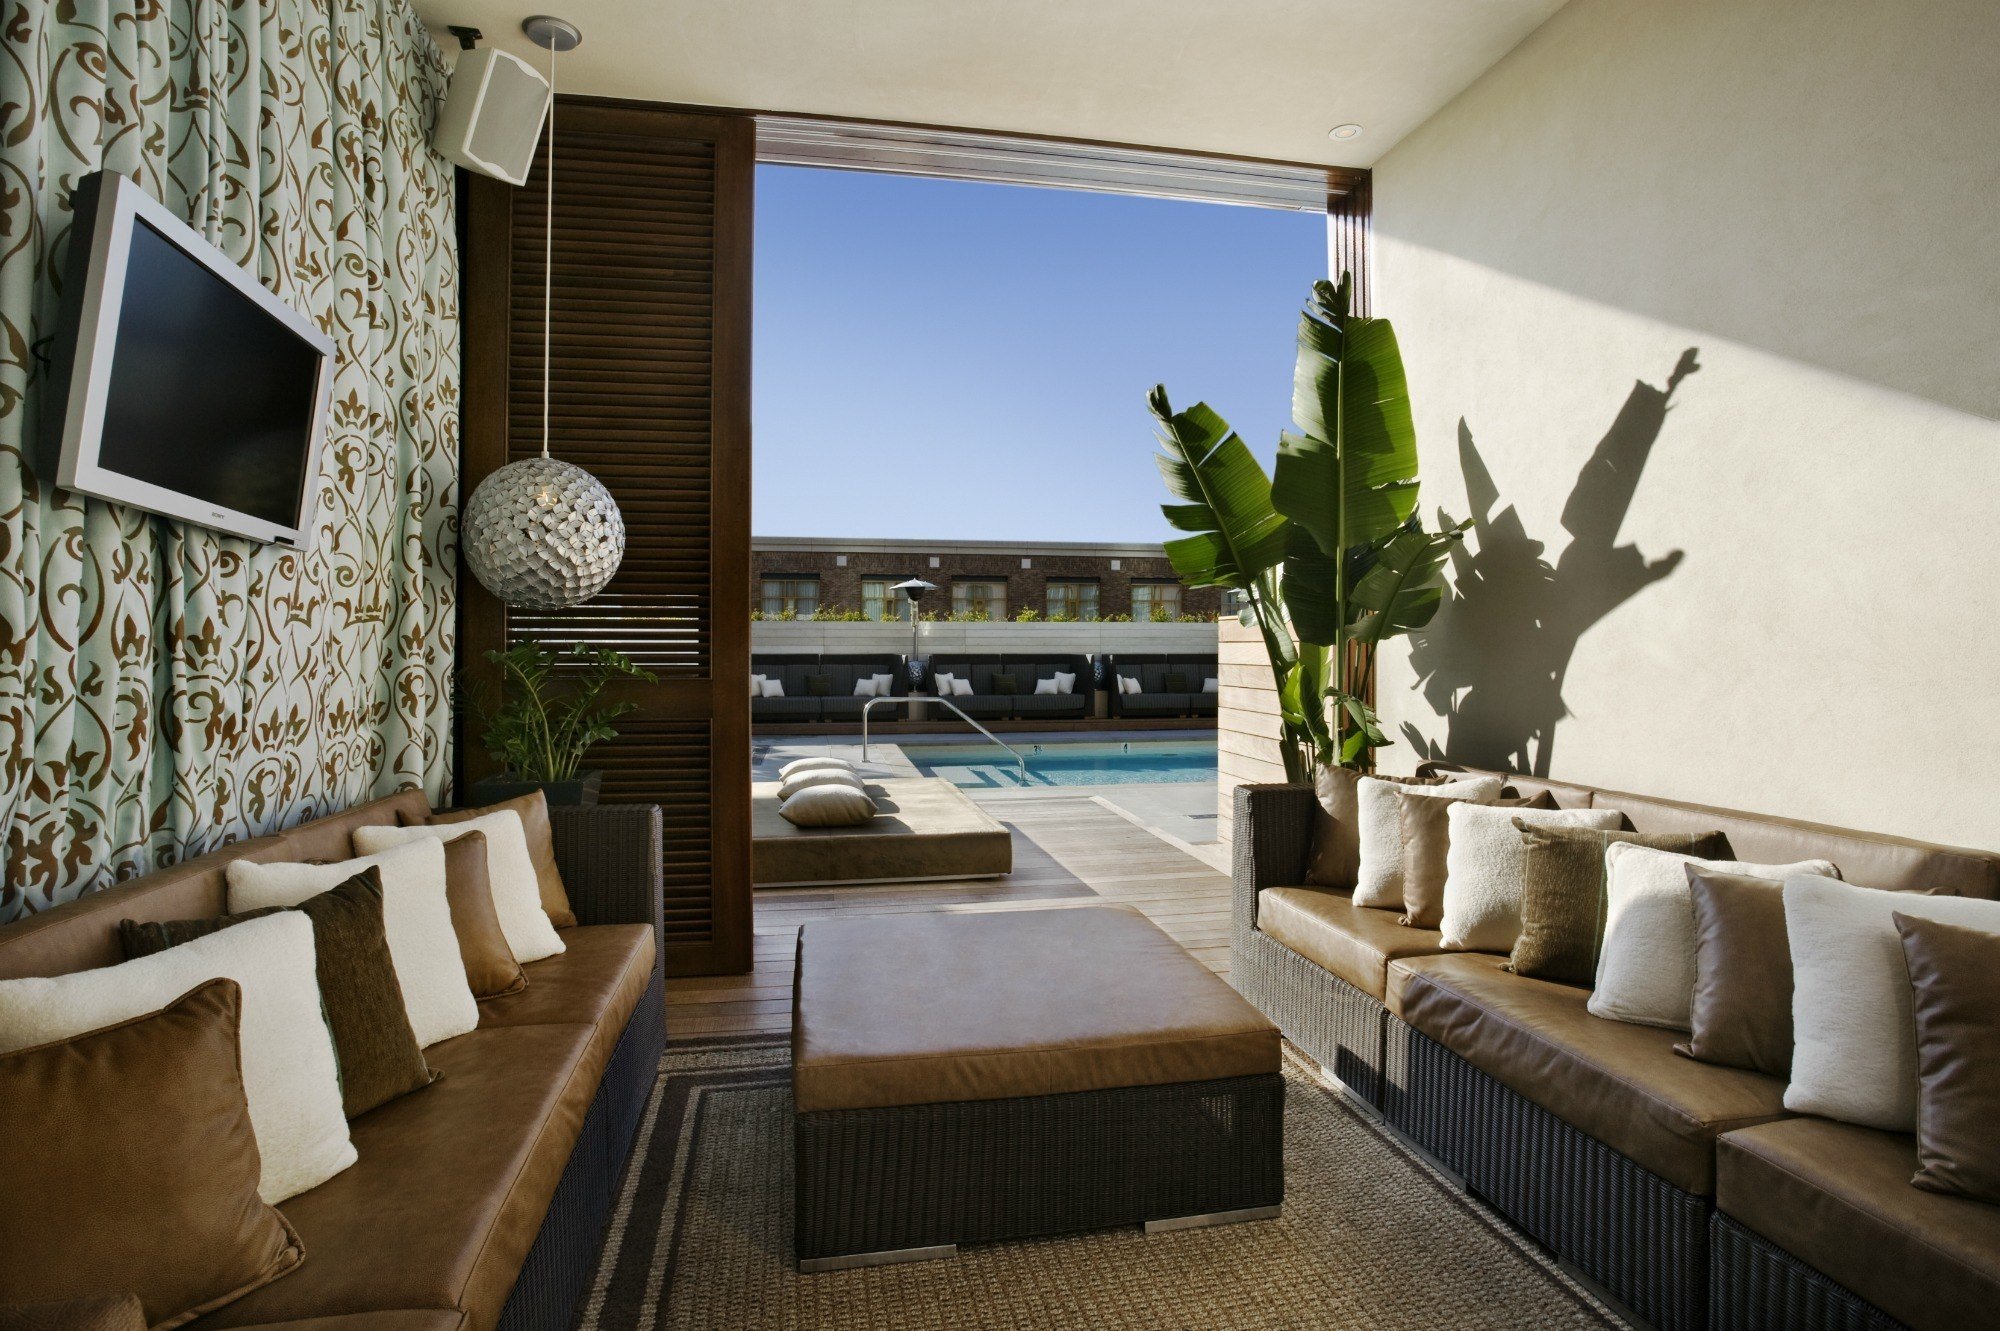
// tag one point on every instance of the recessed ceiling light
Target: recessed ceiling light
(1342, 133)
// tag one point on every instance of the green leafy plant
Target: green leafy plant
(549, 707)
(1327, 556)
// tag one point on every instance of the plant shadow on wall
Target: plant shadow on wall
(1493, 662)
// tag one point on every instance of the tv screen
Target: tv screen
(192, 391)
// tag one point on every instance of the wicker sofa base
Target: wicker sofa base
(559, 1263)
(1756, 1285)
(924, 1176)
(1624, 1227)
(1336, 1024)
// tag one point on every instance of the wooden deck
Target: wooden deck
(1067, 852)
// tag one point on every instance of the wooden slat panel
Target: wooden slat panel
(649, 363)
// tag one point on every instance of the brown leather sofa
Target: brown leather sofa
(1685, 1190)
(479, 1201)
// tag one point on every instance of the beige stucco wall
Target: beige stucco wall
(1777, 587)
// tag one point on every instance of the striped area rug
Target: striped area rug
(1371, 1237)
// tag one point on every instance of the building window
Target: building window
(979, 600)
(879, 600)
(1072, 600)
(1156, 600)
(797, 597)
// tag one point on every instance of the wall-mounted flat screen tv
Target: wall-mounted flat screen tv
(178, 383)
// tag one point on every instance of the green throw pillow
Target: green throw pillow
(819, 686)
(1173, 682)
(1004, 685)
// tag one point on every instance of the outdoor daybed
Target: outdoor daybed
(924, 828)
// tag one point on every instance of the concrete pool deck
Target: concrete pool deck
(1182, 813)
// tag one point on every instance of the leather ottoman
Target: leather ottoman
(962, 1078)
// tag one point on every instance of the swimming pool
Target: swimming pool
(1092, 763)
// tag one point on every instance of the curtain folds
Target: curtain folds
(163, 688)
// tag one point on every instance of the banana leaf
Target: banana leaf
(1404, 583)
(1225, 499)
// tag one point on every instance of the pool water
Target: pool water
(1115, 763)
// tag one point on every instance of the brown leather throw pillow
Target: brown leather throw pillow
(534, 810)
(1955, 996)
(378, 1052)
(490, 968)
(1742, 1011)
(1426, 827)
(147, 1182)
(1335, 859)
(107, 1312)
(1563, 894)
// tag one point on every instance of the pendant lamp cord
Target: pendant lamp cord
(548, 249)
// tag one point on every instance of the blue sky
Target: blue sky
(964, 361)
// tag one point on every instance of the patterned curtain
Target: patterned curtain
(163, 688)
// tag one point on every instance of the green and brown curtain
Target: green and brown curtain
(163, 688)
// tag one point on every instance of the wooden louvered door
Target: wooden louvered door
(651, 393)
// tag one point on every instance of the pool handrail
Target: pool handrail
(868, 709)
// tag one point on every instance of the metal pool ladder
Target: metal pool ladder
(868, 709)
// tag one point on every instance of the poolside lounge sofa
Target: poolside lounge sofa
(990, 673)
(1170, 684)
(1685, 1189)
(819, 686)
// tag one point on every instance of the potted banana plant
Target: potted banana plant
(1328, 556)
(546, 712)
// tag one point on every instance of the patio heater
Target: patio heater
(914, 589)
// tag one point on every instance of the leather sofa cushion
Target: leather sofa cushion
(450, 1186)
(1838, 1198)
(395, 1319)
(1621, 1084)
(599, 977)
(1357, 943)
(931, 1008)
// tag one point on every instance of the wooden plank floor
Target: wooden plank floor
(1067, 852)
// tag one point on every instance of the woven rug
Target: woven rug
(1371, 1237)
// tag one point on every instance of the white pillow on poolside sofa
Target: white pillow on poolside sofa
(818, 776)
(960, 687)
(828, 806)
(756, 686)
(941, 682)
(1854, 1043)
(1049, 688)
(1379, 828)
(885, 685)
(1211, 685)
(1485, 864)
(290, 1076)
(415, 916)
(864, 687)
(797, 765)
(1065, 682)
(1646, 965)
(510, 870)
(1127, 684)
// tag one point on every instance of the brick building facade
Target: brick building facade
(799, 575)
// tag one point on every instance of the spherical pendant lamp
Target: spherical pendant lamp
(543, 534)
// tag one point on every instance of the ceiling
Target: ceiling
(1255, 78)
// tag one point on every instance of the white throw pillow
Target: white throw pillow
(864, 688)
(828, 806)
(885, 685)
(942, 683)
(1379, 879)
(1484, 867)
(1065, 682)
(290, 1077)
(797, 765)
(961, 688)
(1646, 967)
(510, 869)
(1211, 685)
(1127, 684)
(1854, 1047)
(415, 916)
(1048, 688)
(774, 688)
(818, 776)
(756, 686)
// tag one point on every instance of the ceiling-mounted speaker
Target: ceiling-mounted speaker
(492, 117)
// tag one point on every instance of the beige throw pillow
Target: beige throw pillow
(510, 871)
(1379, 819)
(819, 776)
(1485, 869)
(828, 806)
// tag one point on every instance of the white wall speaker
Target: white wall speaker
(492, 117)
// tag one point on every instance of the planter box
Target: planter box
(582, 789)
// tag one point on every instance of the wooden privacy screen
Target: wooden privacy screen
(651, 393)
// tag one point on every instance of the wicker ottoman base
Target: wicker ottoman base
(926, 1177)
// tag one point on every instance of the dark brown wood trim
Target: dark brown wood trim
(1350, 233)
